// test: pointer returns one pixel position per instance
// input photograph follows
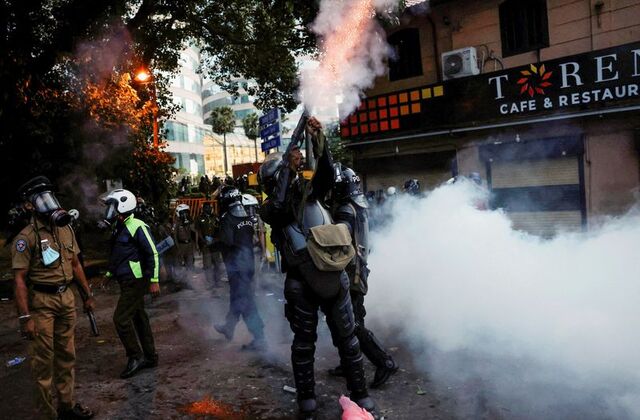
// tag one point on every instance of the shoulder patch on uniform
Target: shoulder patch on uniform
(21, 245)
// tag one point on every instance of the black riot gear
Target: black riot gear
(39, 192)
(231, 201)
(293, 207)
(357, 221)
(412, 186)
(348, 187)
(207, 209)
(268, 170)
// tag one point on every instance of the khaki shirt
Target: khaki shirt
(25, 253)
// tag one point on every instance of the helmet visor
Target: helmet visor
(237, 210)
(45, 202)
(112, 209)
(360, 200)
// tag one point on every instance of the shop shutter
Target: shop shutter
(540, 196)
(430, 169)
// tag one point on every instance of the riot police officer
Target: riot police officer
(350, 208)
(135, 265)
(45, 261)
(207, 232)
(411, 186)
(236, 239)
(184, 231)
(294, 207)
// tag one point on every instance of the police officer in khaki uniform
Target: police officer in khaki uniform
(45, 261)
(182, 230)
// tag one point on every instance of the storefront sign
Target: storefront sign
(602, 79)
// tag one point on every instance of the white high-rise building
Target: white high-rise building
(242, 105)
(185, 133)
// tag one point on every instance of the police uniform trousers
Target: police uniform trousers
(184, 254)
(301, 310)
(371, 347)
(242, 302)
(53, 352)
(131, 320)
(211, 265)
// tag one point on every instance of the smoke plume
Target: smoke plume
(353, 50)
(549, 328)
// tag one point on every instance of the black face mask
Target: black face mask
(184, 217)
(46, 205)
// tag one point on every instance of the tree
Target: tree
(222, 121)
(251, 129)
(55, 50)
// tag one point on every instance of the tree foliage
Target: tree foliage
(250, 125)
(67, 108)
(222, 120)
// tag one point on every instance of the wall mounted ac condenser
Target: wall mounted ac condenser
(460, 63)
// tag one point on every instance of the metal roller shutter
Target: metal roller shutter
(539, 195)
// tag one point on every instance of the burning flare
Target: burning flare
(353, 51)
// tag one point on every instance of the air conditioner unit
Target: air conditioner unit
(460, 63)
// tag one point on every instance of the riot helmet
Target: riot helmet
(207, 209)
(412, 186)
(348, 187)
(231, 201)
(268, 173)
(250, 204)
(39, 193)
(391, 191)
(119, 203)
(182, 212)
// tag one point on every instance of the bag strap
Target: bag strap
(356, 227)
(320, 142)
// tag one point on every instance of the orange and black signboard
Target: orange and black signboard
(604, 79)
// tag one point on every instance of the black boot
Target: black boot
(76, 413)
(134, 365)
(368, 404)
(383, 373)
(307, 409)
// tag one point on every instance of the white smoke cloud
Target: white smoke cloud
(353, 53)
(559, 315)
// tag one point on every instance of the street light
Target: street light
(144, 76)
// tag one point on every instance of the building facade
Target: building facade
(242, 104)
(240, 149)
(191, 142)
(541, 97)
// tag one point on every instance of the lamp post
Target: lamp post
(144, 76)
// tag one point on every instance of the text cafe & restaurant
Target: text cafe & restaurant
(556, 141)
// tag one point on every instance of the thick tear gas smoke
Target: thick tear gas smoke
(551, 328)
(353, 50)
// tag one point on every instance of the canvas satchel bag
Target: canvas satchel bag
(330, 247)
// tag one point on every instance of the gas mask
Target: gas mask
(46, 205)
(184, 217)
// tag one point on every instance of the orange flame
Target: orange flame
(340, 45)
(209, 406)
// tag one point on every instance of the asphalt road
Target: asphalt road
(197, 364)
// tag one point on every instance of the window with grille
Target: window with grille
(406, 60)
(523, 26)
